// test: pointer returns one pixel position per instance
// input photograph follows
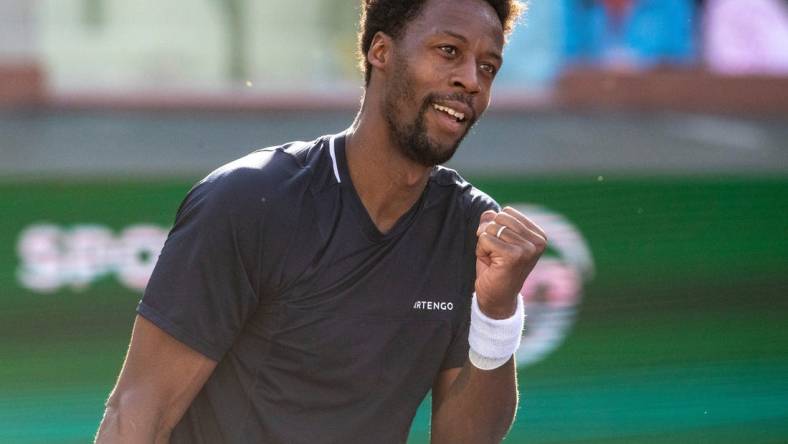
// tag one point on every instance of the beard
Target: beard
(411, 137)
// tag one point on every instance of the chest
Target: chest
(353, 315)
(334, 267)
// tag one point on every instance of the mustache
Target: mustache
(453, 97)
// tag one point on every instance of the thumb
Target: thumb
(486, 219)
(483, 250)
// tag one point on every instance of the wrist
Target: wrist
(500, 310)
(494, 341)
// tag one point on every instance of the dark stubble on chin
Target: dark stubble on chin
(411, 137)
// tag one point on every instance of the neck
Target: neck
(387, 182)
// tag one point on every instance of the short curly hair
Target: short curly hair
(391, 17)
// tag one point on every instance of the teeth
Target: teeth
(456, 114)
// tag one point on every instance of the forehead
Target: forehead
(474, 19)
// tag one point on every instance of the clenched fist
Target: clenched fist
(508, 248)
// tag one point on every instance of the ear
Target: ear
(379, 52)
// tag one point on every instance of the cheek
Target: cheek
(428, 71)
(484, 103)
(483, 100)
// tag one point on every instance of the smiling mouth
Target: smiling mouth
(456, 115)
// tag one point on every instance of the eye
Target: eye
(488, 68)
(449, 50)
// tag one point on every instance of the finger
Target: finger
(512, 222)
(504, 233)
(527, 222)
(533, 226)
(512, 225)
(483, 252)
(485, 219)
(490, 246)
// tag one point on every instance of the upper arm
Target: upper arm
(160, 378)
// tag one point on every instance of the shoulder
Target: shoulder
(469, 199)
(262, 175)
(265, 167)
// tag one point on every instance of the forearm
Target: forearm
(129, 422)
(479, 407)
(159, 380)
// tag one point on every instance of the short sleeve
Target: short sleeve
(203, 288)
(458, 349)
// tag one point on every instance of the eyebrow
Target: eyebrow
(461, 37)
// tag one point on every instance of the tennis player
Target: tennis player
(315, 292)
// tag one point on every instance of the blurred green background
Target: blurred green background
(680, 336)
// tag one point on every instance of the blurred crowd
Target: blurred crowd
(729, 37)
(206, 45)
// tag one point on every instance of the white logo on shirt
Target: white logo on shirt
(430, 305)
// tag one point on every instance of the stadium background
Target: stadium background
(653, 146)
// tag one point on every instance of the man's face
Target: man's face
(443, 67)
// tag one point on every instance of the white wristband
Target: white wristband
(494, 341)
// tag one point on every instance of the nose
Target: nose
(466, 77)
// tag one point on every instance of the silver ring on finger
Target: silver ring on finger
(500, 231)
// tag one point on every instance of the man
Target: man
(315, 292)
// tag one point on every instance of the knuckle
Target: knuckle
(513, 256)
(519, 251)
(521, 260)
(530, 251)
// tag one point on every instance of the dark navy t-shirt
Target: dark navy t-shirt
(325, 329)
